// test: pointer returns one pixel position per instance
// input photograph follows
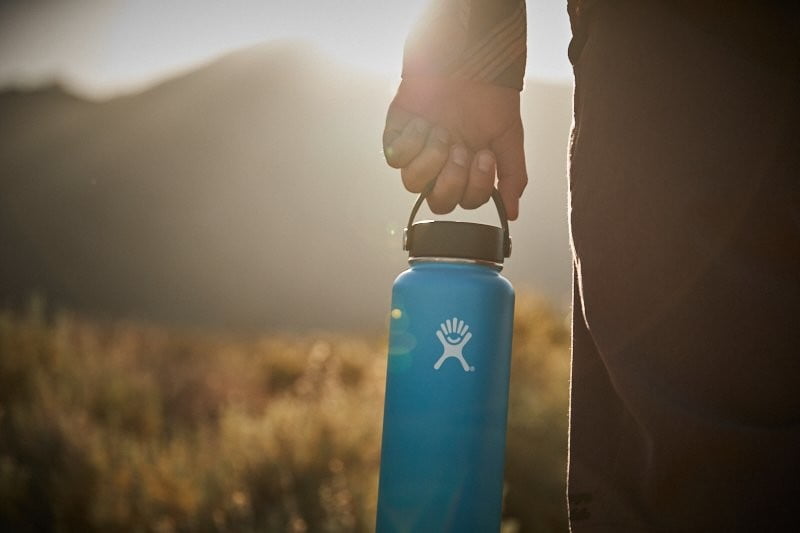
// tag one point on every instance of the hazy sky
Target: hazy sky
(103, 46)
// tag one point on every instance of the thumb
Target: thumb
(512, 176)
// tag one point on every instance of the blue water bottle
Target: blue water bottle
(444, 423)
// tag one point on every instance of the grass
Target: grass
(125, 426)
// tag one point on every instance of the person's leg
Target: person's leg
(685, 410)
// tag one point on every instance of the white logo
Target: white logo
(454, 336)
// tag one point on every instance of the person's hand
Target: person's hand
(461, 133)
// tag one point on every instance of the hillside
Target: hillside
(248, 193)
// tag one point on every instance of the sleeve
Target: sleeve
(482, 40)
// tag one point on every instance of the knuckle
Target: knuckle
(453, 179)
(472, 203)
(473, 199)
(439, 137)
(445, 196)
(434, 159)
(409, 144)
(412, 181)
(435, 146)
(400, 153)
(441, 200)
(392, 159)
(437, 207)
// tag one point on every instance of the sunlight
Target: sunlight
(102, 49)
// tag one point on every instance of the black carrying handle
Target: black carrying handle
(498, 202)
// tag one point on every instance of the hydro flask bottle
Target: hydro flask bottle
(444, 421)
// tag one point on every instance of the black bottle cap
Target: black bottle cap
(462, 240)
(465, 240)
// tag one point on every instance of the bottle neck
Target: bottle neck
(455, 261)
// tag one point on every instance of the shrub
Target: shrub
(132, 427)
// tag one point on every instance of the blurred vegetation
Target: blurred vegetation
(132, 427)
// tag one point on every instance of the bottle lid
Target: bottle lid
(461, 240)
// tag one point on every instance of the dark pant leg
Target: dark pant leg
(685, 406)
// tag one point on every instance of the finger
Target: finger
(512, 176)
(405, 146)
(396, 121)
(481, 181)
(428, 163)
(451, 181)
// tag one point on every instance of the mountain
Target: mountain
(250, 192)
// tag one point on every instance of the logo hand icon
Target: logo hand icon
(454, 336)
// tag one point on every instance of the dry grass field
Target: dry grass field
(126, 426)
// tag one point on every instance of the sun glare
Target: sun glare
(129, 44)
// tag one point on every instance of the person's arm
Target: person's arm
(456, 116)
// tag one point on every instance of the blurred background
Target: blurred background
(198, 236)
